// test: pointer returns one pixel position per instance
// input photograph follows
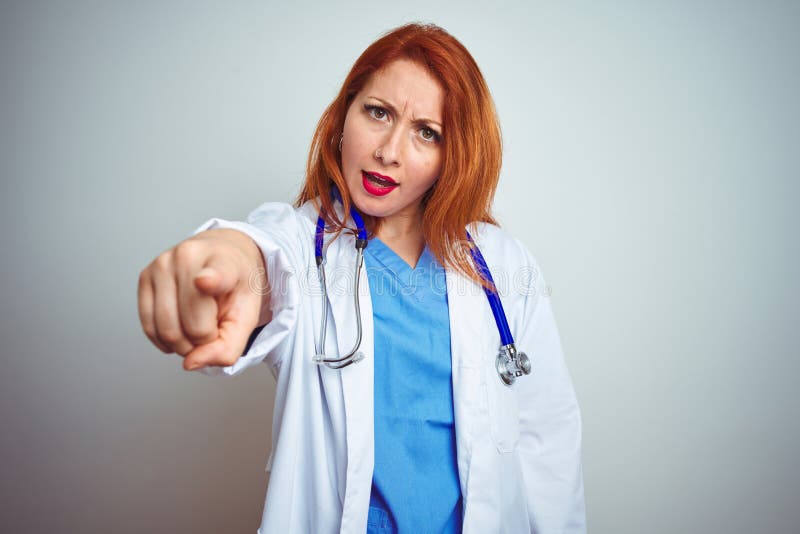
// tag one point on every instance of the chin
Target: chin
(366, 207)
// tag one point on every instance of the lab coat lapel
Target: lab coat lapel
(466, 302)
(357, 379)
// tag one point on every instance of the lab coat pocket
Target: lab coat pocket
(503, 411)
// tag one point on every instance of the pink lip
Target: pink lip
(375, 189)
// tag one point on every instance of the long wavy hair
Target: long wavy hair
(471, 142)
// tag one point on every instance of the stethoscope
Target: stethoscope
(510, 364)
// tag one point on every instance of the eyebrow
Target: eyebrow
(391, 108)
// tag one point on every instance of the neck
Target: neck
(403, 234)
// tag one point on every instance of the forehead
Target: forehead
(409, 87)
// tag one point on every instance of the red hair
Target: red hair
(471, 142)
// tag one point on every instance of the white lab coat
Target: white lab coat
(518, 447)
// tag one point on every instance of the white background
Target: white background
(651, 156)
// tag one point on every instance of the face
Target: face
(391, 150)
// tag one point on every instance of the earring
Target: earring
(341, 138)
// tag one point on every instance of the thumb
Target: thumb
(217, 277)
(233, 334)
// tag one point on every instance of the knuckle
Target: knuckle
(198, 333)
(161, 347)
(163, 261)
(184, 350)
(171, 336)
(187, 251)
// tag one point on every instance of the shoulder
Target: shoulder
(499, 246)
(515, 269)
(282, 217)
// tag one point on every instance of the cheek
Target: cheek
(346, 156)
(430, 168)
(354, 148)
(349, 142)
(349, 152)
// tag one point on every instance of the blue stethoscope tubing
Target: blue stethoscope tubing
(494, 300)
(510, 364)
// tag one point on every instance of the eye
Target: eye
(429, 134)
(376, 112)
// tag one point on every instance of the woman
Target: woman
(418, 432)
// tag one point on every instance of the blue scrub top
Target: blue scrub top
(415, 486)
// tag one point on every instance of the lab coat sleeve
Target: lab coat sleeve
(550, 420)
(276, 229)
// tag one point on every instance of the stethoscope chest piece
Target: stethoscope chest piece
(511, 364)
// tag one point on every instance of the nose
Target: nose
(390, 151)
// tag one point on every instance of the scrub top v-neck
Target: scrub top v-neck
(415, 486)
